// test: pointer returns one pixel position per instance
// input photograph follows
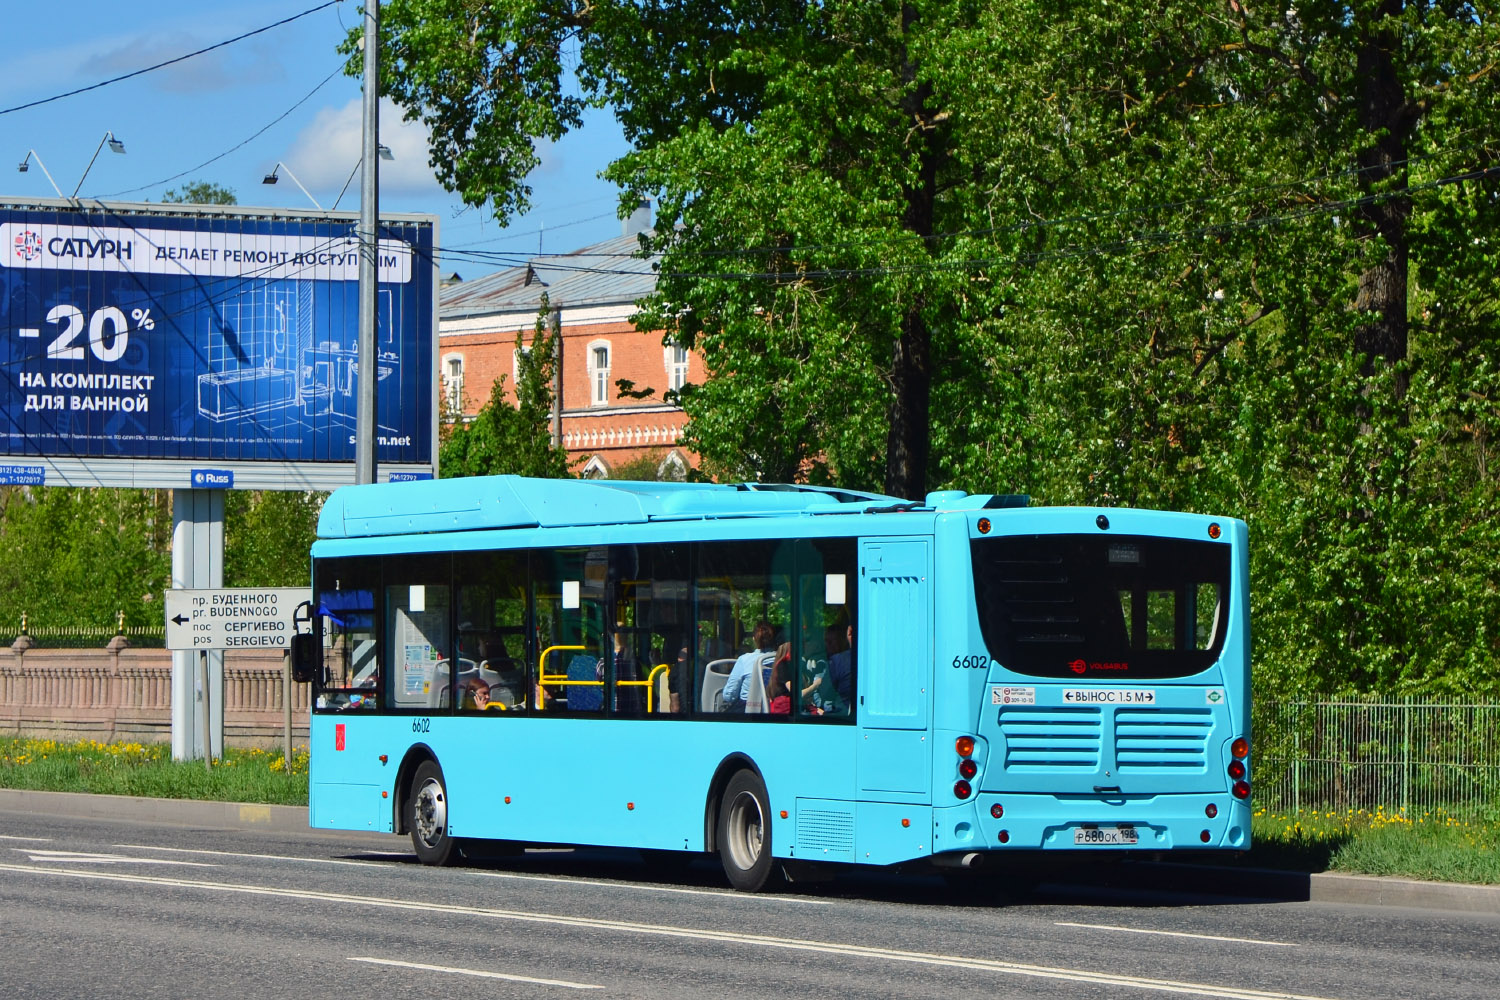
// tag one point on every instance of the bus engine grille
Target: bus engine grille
(1153, 738)
(1044, 737)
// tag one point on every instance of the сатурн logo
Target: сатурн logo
(28, 245)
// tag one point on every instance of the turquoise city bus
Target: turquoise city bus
(794, 678)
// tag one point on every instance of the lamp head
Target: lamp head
(115, 145)
(384, 152)
(271, 178)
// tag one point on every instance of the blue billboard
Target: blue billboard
(172, 340)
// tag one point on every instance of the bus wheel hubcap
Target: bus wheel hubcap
(431, 812)
(745, 831)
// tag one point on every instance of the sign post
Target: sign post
(239, 618)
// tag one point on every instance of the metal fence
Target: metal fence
(1410, 755)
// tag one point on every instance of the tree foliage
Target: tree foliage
(1203, 255)
(200, 193)
(512, 436)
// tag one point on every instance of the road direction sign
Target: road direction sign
(232, 619)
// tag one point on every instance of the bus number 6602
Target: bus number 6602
(978, 661)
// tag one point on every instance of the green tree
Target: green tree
(512, 437)
(77, 557)
(200, 193)
(267, 536)
(1199, 255)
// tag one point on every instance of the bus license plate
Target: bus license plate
(1105, 835)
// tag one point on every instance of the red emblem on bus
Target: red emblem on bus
(1078, 666)
(338, 736)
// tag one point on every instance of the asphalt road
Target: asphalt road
(109, 908)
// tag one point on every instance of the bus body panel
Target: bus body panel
(880, 790)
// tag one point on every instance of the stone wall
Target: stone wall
(124, 694)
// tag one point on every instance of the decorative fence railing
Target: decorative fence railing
(1416, 756)
(124, 693)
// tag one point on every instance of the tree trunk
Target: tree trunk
(1385, 114)
(910, 443)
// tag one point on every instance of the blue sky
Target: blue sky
(176, 118)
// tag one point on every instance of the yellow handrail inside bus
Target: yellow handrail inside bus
(649, 683)
(556, 680)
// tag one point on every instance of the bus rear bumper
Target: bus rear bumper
(1032, 822)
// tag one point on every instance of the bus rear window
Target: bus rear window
(1099, 606)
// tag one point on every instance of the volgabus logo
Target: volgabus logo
(28, 245)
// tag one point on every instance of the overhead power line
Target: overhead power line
(169, 62)
(266, 128)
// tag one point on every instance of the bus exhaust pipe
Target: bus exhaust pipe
(971, 859)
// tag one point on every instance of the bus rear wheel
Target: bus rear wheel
(744, 832)
(427, 816)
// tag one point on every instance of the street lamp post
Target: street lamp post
(25, 162)
(369, 215)
(115, 146)
(271, 178)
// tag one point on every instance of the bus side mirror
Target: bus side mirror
(304, 657)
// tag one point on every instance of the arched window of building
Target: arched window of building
(676, 357)
(598, 364)
(594, 468)
(453, 384)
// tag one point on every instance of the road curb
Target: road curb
(1255, 883)
(178, 812)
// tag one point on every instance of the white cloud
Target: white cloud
(325, 152)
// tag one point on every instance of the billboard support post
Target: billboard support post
(197, 564)
(365, 427)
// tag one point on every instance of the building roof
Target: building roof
(608, 273)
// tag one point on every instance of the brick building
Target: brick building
(593, 291)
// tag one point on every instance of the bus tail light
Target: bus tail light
(1240, 748)
(1236, 769)
(997, 810)
(1004, 836)
(1211, 810)
(962, 789)
(964, 746)
(1241, 789)
(968, 768)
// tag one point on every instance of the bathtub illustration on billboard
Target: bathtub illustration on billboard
(267, 361)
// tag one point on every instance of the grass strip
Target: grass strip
(148, 770)
(1432, 846)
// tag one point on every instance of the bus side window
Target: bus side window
(825, 605)
(493, 616)
(345, 598)
(569, 589)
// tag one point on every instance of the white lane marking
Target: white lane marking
(85, 858)
(1181, 934)
(719, 893)
(477, 972)
(34, 840)
(427, 906)
(253, 857)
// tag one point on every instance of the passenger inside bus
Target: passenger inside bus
(841, 675)
(783, 675)
(506, 679)
(745, 690)
(476, 694)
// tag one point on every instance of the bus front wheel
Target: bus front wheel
(427, 816)
(744, 832)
